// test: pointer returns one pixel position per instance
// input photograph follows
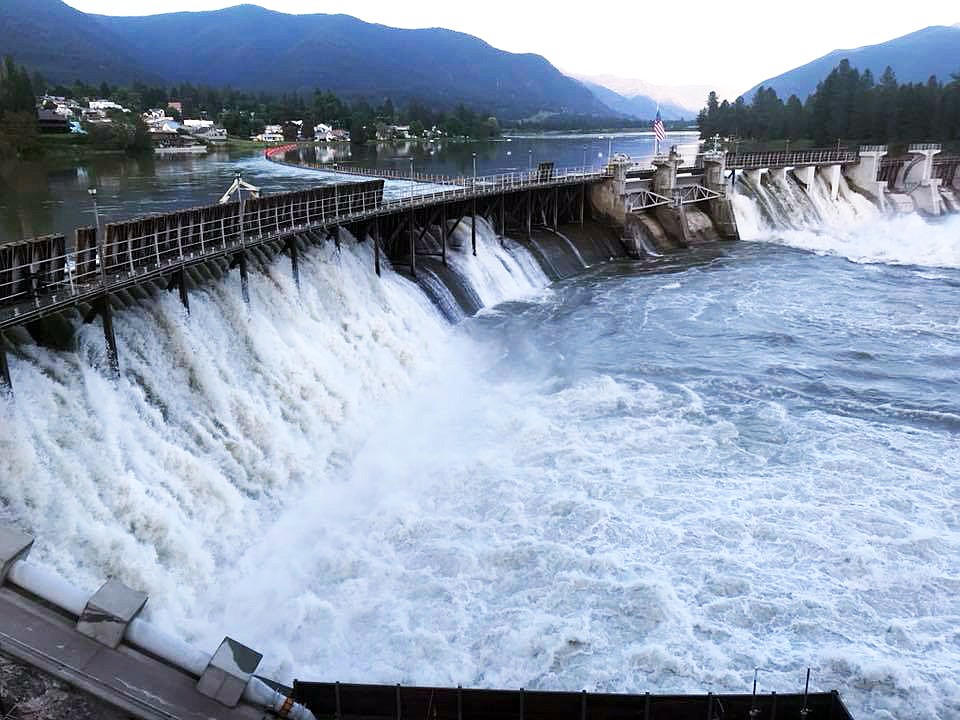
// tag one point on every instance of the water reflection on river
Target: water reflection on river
(37, 198)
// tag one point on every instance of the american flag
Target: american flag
(658, 129)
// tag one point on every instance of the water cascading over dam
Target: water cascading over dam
(780, 209)
(165, 477)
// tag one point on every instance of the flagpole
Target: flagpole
(656, 135)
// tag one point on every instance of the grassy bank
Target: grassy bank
(70, 147)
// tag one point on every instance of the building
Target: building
(198, 125)
(323, 133)
(51, 122)
(271, 134)
(104, 105)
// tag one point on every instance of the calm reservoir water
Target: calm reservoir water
(654, 476)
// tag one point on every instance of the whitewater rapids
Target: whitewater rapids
(649, 478)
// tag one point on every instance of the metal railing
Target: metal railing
(872, 148)
(758, 160)
(385, 173)
(536, 174)
(41, 273)
(921, 147)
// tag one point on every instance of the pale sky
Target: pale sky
(730, 45)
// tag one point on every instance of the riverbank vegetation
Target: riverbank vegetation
(18, 117)
(848, 106)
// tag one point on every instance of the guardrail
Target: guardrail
(40, 273)
(873, 148)
(921, 147)
(758, 160)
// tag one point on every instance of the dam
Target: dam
(667, 207)
(233, 425)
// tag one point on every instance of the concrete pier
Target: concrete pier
(720, 209)
(919, 180)
(865, 174)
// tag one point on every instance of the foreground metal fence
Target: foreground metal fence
(394, 702)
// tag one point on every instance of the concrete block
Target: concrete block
(228, 672)
(14, 545)
(109, 611)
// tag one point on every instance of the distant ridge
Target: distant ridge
(914, 58)
(251, 48)
(63, 44)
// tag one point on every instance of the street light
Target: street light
(530, 159)
(474, 168)
(584, 157)
(411, 179)
(101, 260)
(93, 195)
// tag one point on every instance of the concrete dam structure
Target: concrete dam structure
(569, 219)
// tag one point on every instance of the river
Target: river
(653, 476)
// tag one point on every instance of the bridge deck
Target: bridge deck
(136, 258)
(800, 158)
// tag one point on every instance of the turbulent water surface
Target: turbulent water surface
(654, 476)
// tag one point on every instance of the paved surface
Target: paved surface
(138, 685)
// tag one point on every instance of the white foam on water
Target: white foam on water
(849, 227)
(500, 270)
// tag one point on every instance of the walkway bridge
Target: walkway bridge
(916, 180)
(785, 159)
(41, 277)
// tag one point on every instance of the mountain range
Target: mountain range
(914, 58)
(248, 47)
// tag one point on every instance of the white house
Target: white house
(104, 105)
(323, 133)
(198, 124)
(271, 134)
